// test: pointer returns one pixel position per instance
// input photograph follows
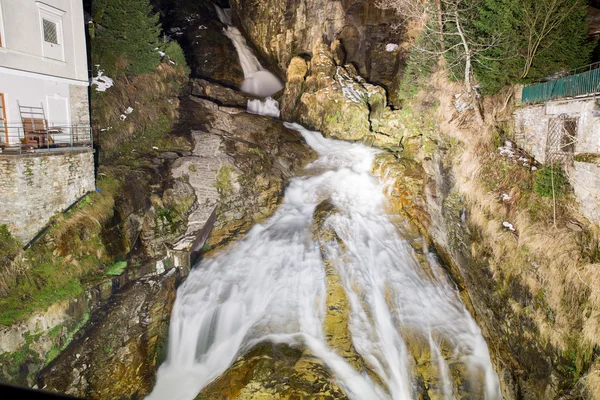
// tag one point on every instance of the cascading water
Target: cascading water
(271, 286)
(257, 80)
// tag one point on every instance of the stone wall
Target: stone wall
(80, 107)
(532, 124)
(585, 178)
(36, 186)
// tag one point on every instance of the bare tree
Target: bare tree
(449, 31)
(540, 19)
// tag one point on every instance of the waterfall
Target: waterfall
(271, 286)
(257, 80)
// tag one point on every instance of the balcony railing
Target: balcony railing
(17, 140)
(583, 81)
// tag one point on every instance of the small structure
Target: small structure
(559, 124)
(46, 154)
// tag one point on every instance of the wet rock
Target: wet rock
(263, 155)
(335, 100)
(210, 54)
(219, 94)
(274, 371)
(284, 29)
(118, 353)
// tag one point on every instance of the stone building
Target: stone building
(46, 159)
(564, 130)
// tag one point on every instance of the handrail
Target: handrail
(17, 139)
(581, 84)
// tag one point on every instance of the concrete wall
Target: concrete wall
(23, 45)
(531, 133)
(585, 178)
(63, 103)
(34, 187)
(531, 125)
(79, 105)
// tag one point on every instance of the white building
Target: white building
(46, 152)
(43, 65)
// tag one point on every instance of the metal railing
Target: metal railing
(578, 82)
(17, 140)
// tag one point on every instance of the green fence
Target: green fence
(570, 86)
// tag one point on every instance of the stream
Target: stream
(271, 285)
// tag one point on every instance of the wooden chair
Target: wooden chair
(35, 132)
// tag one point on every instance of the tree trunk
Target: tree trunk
(438, 6)
(467, 53)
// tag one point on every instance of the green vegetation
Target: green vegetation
(174, 51)
(223, 183)
(54, 333)
(11, 370)
(9, 246)
(54, 268)
(550, 182)
(493, 43)
(116, 269)
(530, 39)
(127, 36)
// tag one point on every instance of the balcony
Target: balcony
(18, 140)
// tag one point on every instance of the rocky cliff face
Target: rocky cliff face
(118, 352)
(522, 286)
(282, 30)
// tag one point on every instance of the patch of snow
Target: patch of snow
(102, 82)
(129, 110)
(534, 168)
(123, 117)
(202, 27)
(505, 197)
(155, 148)
(391, 47)
(508, 226)
(506, 151)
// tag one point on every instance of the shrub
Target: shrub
(127, 36)
(174, 52)
(544, 178)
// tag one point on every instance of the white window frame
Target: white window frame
(55, 15)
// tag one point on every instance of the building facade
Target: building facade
(43, 63)
(46, 151)
(566, 133)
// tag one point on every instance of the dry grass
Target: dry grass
(592, 381)
(152, 115)
(552, 262)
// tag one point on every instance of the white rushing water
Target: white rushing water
(268, 107)
(257, 80)
(271, 286)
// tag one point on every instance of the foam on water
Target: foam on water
(268, 107)
(271, 286)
